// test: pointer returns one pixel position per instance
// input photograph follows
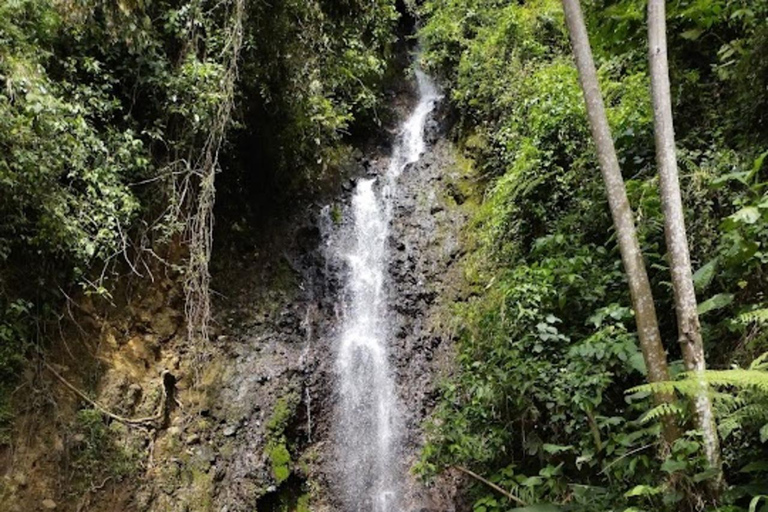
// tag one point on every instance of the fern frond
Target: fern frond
(685, 386)
(751, 413)
(758, 316)
(730, 404)
(667, 386)
(743, 401)
(761, 363)
(738, 378)
(663, 409)
(754, 415)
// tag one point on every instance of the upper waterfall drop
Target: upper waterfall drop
(368, 444)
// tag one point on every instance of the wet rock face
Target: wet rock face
(252, 427)
(260, 435)
(426, 277)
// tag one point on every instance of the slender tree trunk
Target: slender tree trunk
(623, 219)
(689, 330)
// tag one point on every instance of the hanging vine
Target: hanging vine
(196, 192)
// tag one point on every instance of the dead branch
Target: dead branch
(149, 422)
(491, 485)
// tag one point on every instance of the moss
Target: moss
(284, 409)
(284, 278)
(203, 424)
(276, 450)
(302, 505)
(228, 450)
(202, 491)
(280, 460)
(336, 214)
(6, 415)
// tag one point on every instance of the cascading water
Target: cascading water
(368, 444)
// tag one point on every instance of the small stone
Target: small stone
(193, 439)
(230, 431)
(49, 504)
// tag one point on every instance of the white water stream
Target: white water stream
(368, 437)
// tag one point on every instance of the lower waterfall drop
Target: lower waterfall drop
(368, 441)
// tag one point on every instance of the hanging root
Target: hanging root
(199, 223)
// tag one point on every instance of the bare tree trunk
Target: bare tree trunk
(623, 219)
(689, 330)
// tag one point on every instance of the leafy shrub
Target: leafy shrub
(547, 340)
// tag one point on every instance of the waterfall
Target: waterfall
(368, 441)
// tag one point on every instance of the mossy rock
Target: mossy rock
(280, 460)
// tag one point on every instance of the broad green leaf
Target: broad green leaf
(715, 302)
(703, 277)
(554, 448)
(758, 164)
(532, 481)
(747, 215)
(755, 467)
(637, 362)
(642, 490)
(720, 181)
(705, 475)
(692, 34)
(673, 466)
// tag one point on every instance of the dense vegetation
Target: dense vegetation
(114, 119)
(121, 121)
(543, 402)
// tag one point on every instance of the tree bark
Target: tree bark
(689, 329)
(623, 219)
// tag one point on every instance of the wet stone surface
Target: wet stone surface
(271, 384)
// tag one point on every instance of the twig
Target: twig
(101, 486)
(606, 468)
(491, 485)
(144, 422)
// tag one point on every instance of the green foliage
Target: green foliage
(547, 339)
(280, 459)
(745, 405)
(93, 452)
(276, 449)
(314, 70)
(284, 409)
(109, 112)
(14, 337)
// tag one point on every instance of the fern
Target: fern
(739, 379)
(741, 395)
(758, 316)
(663, 409)
(753, 322)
